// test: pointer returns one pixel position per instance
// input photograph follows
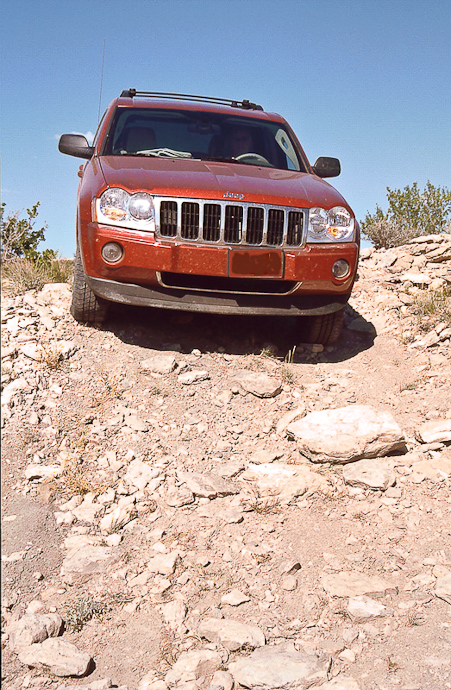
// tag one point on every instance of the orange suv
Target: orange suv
(209, 205)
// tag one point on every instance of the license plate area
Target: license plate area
(253, 263)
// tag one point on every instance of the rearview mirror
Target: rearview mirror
(327, 167)
(75, 145)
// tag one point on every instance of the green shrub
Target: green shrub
(411, 213)
(24, 267)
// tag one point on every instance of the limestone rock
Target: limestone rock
(163, 564)
(354, 584)
(189, 377)
(369, 474)
(174, 613)
(234, 598)
(207, 485)
(278, 668)
(193, 665)
(32, 628)
(82, 564)
(60, 657)
(363, 608)
(260, 385)
(159, 364)
(140, 474)
(284, 481)
(443, 588)
(436, 431)
(231, 634)
(222, 680)
(346, 434)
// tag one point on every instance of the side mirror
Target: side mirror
(75, 145)
(327, 167)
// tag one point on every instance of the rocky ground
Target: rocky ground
(205, 502)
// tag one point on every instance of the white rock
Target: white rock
(443, 588)
(221, 681)
(80, 565)
(260, 385)
(436, 431)
(164, 563)
(159, 364)
(354, 584)
(231, 634)
(32, 628)
(416, 278)
(369, 474)
(283, 481)
(234, 598)
(193, 665)
(174, 613)
(11, 389)
(117, 518)
(206, 485)
(58, 656)
(363, 608)
(346, 434)
(43, 472)
(278, 668)
(289, 417)
(189, 377)
(140, 474)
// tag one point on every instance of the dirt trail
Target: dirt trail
(138, 442)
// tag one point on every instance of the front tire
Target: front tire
(86, 307)
(324, 329)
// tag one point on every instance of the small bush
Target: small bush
(24, 267)
(411, 213)
(83, 610)
(435, 304)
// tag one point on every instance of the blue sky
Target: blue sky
(367, 81)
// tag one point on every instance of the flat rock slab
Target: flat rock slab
(260, 385)
(159, 364)
(207, 485)
(60, 657)
(436, 431)
(284, 481)
(443, 588)
(278, 668)
(346, 434)
(369, 474)
(231, 634)
(354, 584)
(363, 608)
(193, 665)
(82, 564)
(33, 628)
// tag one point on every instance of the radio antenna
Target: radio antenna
(101, 79)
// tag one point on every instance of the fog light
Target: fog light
(112, 252)
(341, 268)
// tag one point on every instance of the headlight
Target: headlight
(336, 225)
(118, 207)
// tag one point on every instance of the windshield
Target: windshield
(206, 136)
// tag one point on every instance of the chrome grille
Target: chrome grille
(220, 222)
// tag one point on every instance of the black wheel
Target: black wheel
(324, 329)
(86, 307)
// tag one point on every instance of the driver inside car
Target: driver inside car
(238, 141)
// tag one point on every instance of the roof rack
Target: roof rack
(245, 104)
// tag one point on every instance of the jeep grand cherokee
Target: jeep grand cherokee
(209, 205)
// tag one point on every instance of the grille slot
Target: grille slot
(168, 218)
(190, 220)
(212, 222)
(233, 224)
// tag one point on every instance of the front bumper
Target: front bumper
(136, 278)
(215, 303)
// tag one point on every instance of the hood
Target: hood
(198, 179)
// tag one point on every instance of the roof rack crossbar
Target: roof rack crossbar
(245, 104)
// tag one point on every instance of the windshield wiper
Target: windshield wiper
(163, 153)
